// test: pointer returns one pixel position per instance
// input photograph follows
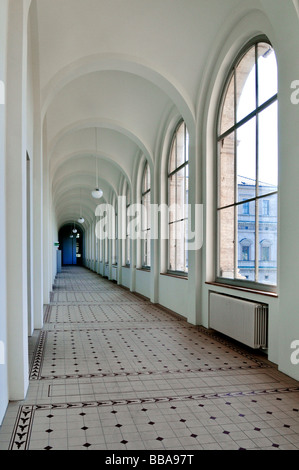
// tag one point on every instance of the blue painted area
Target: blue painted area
(69, 251)
(71, 248)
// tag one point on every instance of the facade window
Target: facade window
(266, 207)
(245, 253)
(247, 168)
(265, 252)
(178, 189)
(246, 208)
(146, 218)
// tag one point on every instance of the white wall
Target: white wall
(30, 165)
(143, 283)
(3, 337)
(173, 294)
(126, 277)
(287, 39)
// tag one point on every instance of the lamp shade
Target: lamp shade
(81, 220)
(97, 193)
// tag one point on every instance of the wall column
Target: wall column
(195, 244)
(46, 224)
(16, 218)
(289, 224)
(3, 316)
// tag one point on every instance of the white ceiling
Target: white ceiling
(122, 67)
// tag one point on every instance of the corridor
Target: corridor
(110, 370)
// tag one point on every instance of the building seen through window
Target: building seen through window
(247, 170)
(178, 190)
(146, 217)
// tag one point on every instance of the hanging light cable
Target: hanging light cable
(97, 193)
(81, 219)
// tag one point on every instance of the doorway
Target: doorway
(71, 245)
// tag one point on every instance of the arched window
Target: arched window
(128, 238)
(247, 170)
(178, 189)
(114, 234)
(146, 217)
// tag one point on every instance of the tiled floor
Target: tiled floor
(110, 370)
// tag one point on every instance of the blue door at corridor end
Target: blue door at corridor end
(69, 251)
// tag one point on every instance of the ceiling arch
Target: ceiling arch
(88, 159)
(121, 68)
(119, 63)
(132, 140)
(125, 102)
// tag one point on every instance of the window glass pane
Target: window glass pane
(228, 110)
(267, 73)
(181, 141)
(172, 247)
(172, 157)
(226, 224)
(246, 158)
(226, 169)
(268, 240)
(181, 193)
(186, 145)
(180, 246)
(246, 243)
(186, 184)
(146, 211)
(146, 248)
(268, 150)
(172, 196)
(177, 246)
(246, 85)
(128, 196)
(146, 179)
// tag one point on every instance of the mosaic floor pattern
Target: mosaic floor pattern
(110, 370)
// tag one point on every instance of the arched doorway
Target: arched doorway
(71, 245)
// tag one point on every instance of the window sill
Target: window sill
(177, 276)
(147, 270)
(244, 289)
(126, 266)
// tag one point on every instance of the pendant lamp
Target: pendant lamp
(97, 193)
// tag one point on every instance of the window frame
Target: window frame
(234, 282)
(114, 237)
(144, 262)
(128, 238)
(170, 173)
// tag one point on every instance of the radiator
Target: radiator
(242, 320)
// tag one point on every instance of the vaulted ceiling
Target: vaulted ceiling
(111, 72)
